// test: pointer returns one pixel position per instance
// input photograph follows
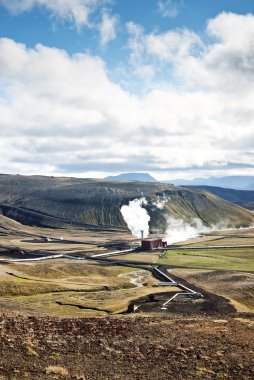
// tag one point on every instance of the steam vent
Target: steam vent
(151, 244)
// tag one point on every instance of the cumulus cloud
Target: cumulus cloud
(63, 113)
(173, 45)
(226, 64)
(150, 53)
(231, 57)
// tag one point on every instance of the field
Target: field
(66, 288)
(238, 259)
(69, 287)
(228, 272)
(80, 288)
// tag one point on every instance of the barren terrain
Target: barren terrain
(127, 348)
(66, 318)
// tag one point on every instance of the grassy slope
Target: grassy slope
(71, 288)
(241, 259)
(235, 257)
(98, 202)
(216, 266)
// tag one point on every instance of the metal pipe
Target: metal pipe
(166, 284)
(113, 253)
(31, 259)
(176, 295)
(164, 274)
(188, 289)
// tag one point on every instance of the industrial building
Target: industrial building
(152, 243)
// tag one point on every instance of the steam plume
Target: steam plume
(160, 202)
(179, 230)
(136, 217)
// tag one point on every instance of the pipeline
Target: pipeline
(169, 279)
(102, 257)
(31, 259)
(188, 292)
(114, 253)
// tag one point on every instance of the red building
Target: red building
(151, 244)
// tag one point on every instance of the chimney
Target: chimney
(142, 234)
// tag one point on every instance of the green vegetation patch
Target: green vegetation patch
(227, 259)
(227, 241)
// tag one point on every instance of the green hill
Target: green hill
(51, 201)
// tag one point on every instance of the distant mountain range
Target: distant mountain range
(236, 189)
(243, 198)
(229, 182)
(141, 177)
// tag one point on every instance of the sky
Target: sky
(90, 88)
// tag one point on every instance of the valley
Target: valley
(72, 319)
(101, 298)
(81, 272)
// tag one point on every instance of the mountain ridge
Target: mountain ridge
(243, 198)
(140, 177)
(227, 182)
(97, 202)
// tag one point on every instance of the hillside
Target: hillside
(243, 198)
(38, 200)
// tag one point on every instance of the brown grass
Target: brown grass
(64, 269)
(27, 288)
(237, 287)
(57, 370)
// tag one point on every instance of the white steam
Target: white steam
(136, 217)
(161, 201)
(179, 230)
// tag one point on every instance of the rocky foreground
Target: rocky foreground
(127, 348)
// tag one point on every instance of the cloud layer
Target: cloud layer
(62, 113)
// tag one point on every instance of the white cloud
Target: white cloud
(226, 64)
(136, 42)
(173, 45)
(107, 28)
(74, 11)
(231, 58)
(62, 113)
(137, 47)
(169, 8)
(149, 51)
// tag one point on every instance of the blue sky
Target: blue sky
(39, 26)
(98, 87)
